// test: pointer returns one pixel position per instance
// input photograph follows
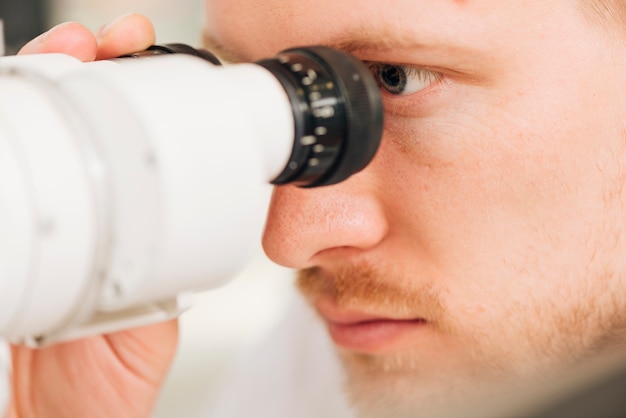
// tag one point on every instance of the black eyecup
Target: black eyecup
(363, 112)
(346, 106)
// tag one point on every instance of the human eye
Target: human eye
(401, 80)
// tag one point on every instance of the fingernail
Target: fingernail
(35, 43)
(41, 38)
(104, 30)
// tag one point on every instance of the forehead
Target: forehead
(256, 28)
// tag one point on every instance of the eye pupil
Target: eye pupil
(392, 78)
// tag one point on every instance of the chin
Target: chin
(407, 386)
(395, 386)
(398, 396)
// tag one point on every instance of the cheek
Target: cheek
(511, 221)
(501, 205)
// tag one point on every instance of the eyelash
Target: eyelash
(413, 79)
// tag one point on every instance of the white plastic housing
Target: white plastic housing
(124, 185)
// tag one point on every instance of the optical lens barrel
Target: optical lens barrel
(337, 111)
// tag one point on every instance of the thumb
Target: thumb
(68, 38)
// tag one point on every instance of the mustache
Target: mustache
(367, 288)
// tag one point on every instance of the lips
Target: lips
(363, 332)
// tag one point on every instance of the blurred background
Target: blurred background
(175, 21)
(225, 322)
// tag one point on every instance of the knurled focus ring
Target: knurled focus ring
(319, 117)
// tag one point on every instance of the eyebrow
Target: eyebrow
(366, 39)
(361, 39)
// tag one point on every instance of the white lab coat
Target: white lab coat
(293, 373)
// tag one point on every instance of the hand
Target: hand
(117, 375)
(127, 34)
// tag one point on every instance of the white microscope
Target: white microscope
(126, 185)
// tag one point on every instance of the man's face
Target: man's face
(484, 243)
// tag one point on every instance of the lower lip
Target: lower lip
(372, 336)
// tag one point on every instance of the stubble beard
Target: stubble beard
(393, 386)
(398, 384)
(408, 384)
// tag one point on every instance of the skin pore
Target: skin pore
(484, 244)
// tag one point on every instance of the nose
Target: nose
(304, 226)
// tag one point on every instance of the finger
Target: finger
(126, 34)
(68, 38)
(150, 349)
